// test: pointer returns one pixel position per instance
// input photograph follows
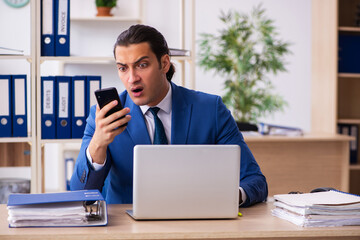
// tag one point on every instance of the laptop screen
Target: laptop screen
(186, 181)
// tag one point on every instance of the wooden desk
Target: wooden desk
(256, 223)
(302, 163)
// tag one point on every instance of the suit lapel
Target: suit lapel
(181, 115)
(137, 127)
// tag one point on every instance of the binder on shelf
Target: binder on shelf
(5, 106)
(351, 130)
(349, 50)
(19, 104)
(65, 209)
(78, 95)
(47, 28)
(69, 169)
(63, 107)
(48, 107)
(93, 84)
(62, 27)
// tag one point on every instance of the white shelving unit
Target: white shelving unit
(63, 62)
(67, 144)
(107, 19)
(31, 139)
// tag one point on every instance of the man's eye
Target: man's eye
(143, 65)
(122, 69)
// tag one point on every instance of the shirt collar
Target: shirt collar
(164, 105)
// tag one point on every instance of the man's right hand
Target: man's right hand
(107, 128)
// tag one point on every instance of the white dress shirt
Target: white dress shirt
(164, 114)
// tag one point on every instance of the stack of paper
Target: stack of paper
(76, 208)
(319, 209)
(277, 130)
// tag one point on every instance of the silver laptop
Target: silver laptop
(186, 181)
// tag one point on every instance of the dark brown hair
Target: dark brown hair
(142, 33)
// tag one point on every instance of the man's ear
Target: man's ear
(165, 63)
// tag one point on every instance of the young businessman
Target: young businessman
(105, 161)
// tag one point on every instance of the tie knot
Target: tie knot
(154, 110)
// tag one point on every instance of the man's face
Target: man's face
(140, 72)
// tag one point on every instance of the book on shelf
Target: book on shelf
(64, 209)
(321, 209)
(11, 51)
(179, 52)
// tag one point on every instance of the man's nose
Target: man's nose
(133, 76)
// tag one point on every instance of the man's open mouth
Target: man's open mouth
(137, 91)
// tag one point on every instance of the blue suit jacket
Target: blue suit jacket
(197, 118)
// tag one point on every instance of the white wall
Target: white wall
(292, 18)
(15, 28)
(293, 21)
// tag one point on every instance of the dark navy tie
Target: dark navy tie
(159, 136)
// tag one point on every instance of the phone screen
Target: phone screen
(107, 95)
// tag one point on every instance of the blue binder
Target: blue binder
(62, 27)
(47, 27)
(5, 106)
(92, 83)
(69, 170)
(349, 51)
(78, 96)
(45, 205)
(48, 107)
(63, 107)
(19, 104)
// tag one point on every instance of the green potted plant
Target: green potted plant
(243, 52)
(104, 7)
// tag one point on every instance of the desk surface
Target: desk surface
(256, 223)
(308, 137)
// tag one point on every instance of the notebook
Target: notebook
(186, 182)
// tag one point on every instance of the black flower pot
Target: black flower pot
(244, 126)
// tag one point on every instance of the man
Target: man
(105, 160)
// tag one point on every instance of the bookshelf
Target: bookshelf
(335, 97)
(107, 19)
(18, 156)
(82, 25)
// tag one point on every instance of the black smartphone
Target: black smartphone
(107, 95)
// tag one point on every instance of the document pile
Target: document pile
(321, 209)
(75, 208)
(277, 130)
